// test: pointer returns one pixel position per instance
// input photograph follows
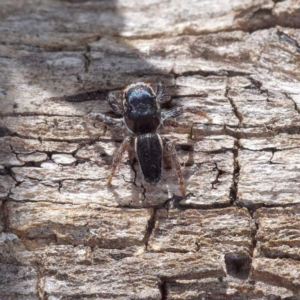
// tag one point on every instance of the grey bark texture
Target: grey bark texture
(65, 235)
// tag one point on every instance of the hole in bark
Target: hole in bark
(32, 164)
(4, 131)
(184, 147)
(162, 285)
(118, 256)
(238, 265)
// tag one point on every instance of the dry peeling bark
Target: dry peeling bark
(66, 235)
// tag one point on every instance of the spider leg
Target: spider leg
(173, 113)
(118, 158)
(172, 123)
(171, 152)
(160, 89)
(109, 121)
(115, 105)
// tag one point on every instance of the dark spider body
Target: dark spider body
(142, 117)
(140, 107)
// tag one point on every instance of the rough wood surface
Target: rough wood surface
(65, 235)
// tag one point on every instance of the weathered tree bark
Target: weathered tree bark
(66, 235)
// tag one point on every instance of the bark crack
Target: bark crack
(150, 228)
(87, 60)
(236, 174)
(293, 101)
(234, 106)
(285, 37)
(162, 285)
(218, 174)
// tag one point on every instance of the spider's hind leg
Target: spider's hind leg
(118, 158)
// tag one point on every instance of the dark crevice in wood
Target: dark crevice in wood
(34, 114)
(144, 191)
(236, 173)
(218, 174)
(237, 132)
(5, 215)
(38, 201)
(173, 203)
(87, 60)
(59, 186)
(238, 265)
(284, 37)
(213, 206)
(254, 83)
(278, 254)
(132, 166)
(162, 285)
(270, 161)
(132, 182)
(87, 140)
(173, 251)
(221, 73)
(9, 171)
(254, 229)
(262, 19)
(87, 96)
(234, 106)
(293, 101)
(150, 228)
(252, 208)
(269, 149)
(4, 131)
(190, 96)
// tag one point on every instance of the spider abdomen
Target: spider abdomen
(149, 150)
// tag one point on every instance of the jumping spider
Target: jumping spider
(140, 107)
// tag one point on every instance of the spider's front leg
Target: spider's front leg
(160, 89)
(170, 151)
(173, 113)
(118, 157)
(115, 104)
(117, 108)
(109, 121)
(160, 92)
